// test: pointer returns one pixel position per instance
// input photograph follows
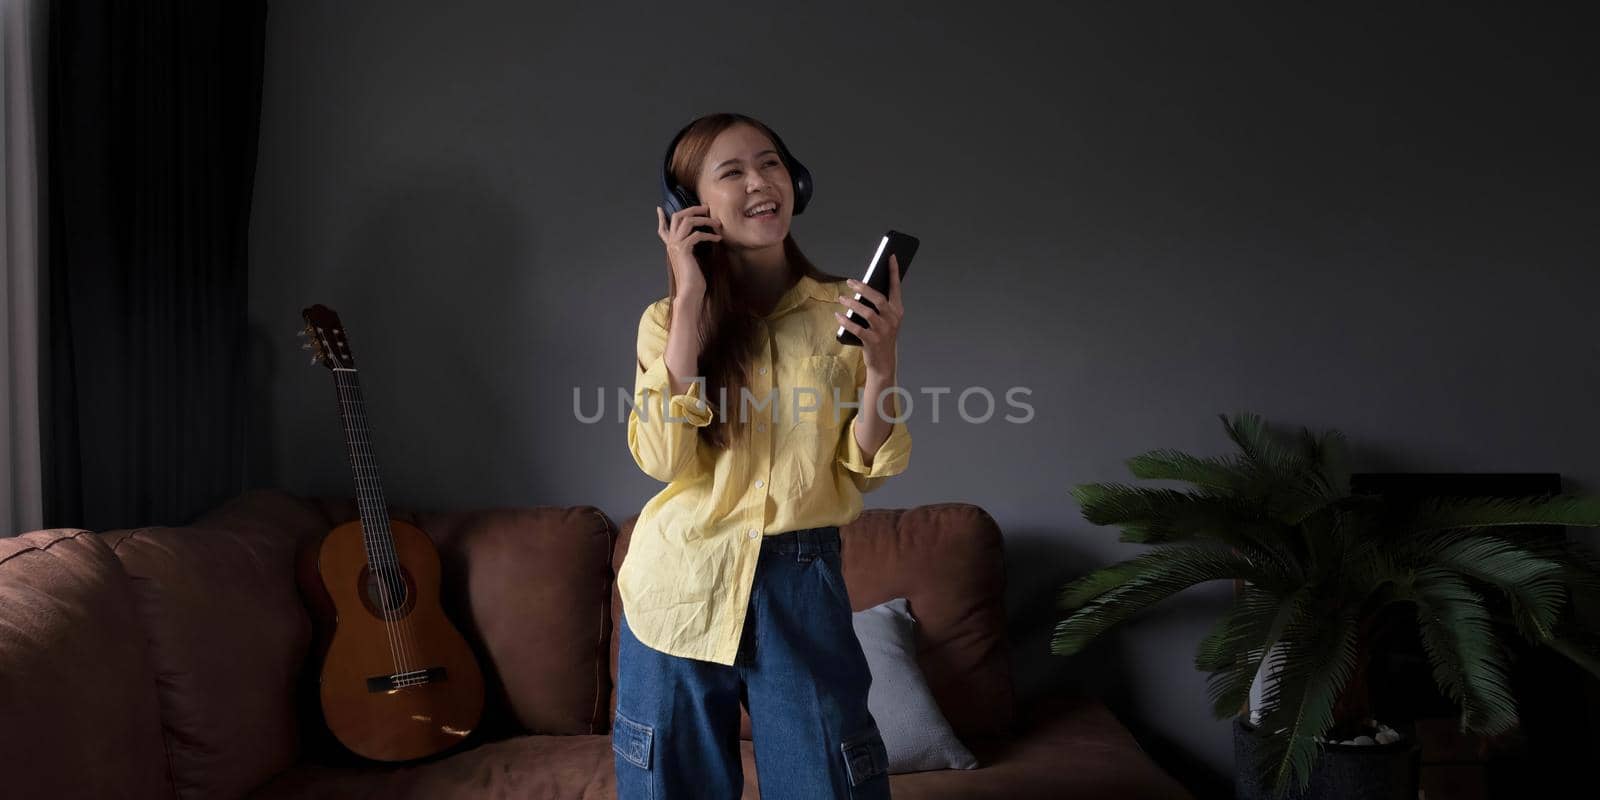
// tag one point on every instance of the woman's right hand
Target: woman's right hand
(680, 237)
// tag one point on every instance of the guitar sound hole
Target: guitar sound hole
(388, 593)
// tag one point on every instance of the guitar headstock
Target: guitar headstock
(327, 338)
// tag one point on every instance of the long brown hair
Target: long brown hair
(727, 326)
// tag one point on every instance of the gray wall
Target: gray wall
(1147, 214)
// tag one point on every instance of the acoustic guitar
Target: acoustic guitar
(398, 681)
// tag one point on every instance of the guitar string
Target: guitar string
(367, 539)
(403, 627)
(388, 565)
(346, 403)
(392, 558)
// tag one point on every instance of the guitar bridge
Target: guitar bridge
(400, 680)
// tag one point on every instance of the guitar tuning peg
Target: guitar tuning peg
(301, 332)
(306, 346)
(313, 360)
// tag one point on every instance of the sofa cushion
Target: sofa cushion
(1066, 747)
(227, 636)
(915, 733)
(948, 561)
(530, 590)
(77, 695)
(545, 767)
(272, 512)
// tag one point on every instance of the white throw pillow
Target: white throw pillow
(915, 732)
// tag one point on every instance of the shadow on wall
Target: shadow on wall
(429, 282)
(1038, 564)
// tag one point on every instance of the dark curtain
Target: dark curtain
(153, 109)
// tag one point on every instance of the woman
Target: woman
(750, 410)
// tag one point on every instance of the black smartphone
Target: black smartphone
(701, 250)
(903, 246)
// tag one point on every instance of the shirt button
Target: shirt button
(763, 370)
(760, 483)
(754, 533)
(761, 426)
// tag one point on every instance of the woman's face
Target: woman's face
(743, 171)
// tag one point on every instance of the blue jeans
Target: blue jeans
(799, 670)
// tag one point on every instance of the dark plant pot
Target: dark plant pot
(1341, 772)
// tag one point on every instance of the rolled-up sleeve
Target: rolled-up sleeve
(891, 458)
(662, 435)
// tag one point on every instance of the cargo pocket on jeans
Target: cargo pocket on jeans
(633, 744)
(866, 760)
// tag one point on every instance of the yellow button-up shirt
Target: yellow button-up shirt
(685, 582)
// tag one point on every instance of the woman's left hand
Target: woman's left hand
(878, 342)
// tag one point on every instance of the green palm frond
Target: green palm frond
(1246, 625)
(1226, 474)
(1235, 648)
(1076, 594)
(1580, 566)
(1163, 516)
(1264, 449)
(1468, 662)
(1316, 657)
(1294, 504)
(1296, 475)
(1435, 514)
(1330, 453)
(1533, 585)
(1329, 543)
(1132, 507)
(1151, 516)
(1142, 582)
(1227, 521)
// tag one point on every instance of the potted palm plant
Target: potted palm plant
(1314, 567)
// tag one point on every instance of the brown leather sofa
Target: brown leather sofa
(173, 662)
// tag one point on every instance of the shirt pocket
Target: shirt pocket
(812, 421)
(821, 384)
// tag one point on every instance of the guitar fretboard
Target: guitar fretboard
(374, 510)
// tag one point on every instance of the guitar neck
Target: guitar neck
(374, 509)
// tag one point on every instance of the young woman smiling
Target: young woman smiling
(732, 589)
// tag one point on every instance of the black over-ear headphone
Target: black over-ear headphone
(675, 198)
